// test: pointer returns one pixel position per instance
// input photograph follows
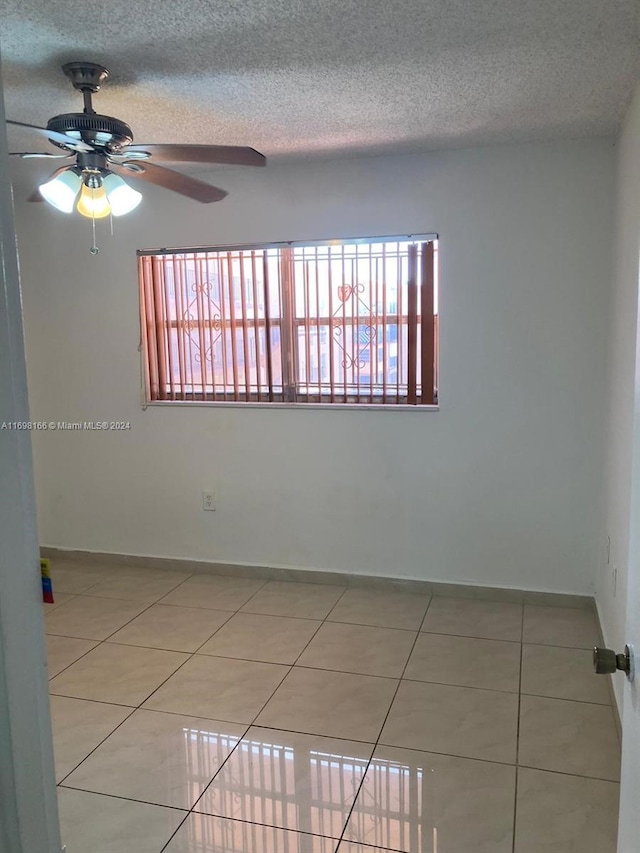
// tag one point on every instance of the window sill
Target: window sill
(198, 404)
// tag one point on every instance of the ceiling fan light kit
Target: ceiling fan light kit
(122, 198)
(103, 150)
(93, 202)
(61, 191)
(92, 194)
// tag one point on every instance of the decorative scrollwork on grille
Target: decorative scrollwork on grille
(197, 317)
(364, 339)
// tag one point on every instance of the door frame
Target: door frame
(28, 801)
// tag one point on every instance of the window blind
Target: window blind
(338, 322)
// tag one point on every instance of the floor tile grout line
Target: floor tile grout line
(515, 791)
(566, 699)
(121, 797)
(413, 680)
(144, 802)
(253, 722)
(325, 620)
(240, 610)
(236, 723)
(384, 722)
(291, 666)
(93, 640)
(106, 640)
(84, 654)
(454, 684)
(222, 765)
(337, 738)
(228, 619)
(564, 773)
(249, 726)
(375, 744)
(111, 642)
(175, 832)
(172, 713)
(97, 746)
(49, 608)
(322, 623)
(308, 619)
(197, 574)
(139, 706)
(95, 701)
(253, 594)
(198, 651)
(493, 761)
(515, 812)
(129, 622)
(328, 618)
(190, 656)
(123, 576)
(87, 591)
(254, 823)
(367, 743)
(470, 637)
(558, 646)
(335, 621)
(268, 826)
(231, 613)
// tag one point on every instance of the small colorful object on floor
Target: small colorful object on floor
(47, 585)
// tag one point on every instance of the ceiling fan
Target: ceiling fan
(103, 154)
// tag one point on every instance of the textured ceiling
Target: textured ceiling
(330, 77)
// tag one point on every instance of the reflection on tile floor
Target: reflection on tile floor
(306, 783)
(206, 834)
(323, 720)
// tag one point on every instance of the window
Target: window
(338, 322)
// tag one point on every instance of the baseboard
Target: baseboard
(461, 590)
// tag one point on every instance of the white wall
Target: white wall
(500, 487)
(611, 597)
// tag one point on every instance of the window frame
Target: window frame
(195, 398)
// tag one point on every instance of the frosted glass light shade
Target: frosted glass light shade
(62, 190)
(122, 198)
(93, 202)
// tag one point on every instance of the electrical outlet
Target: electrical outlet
(208, 501)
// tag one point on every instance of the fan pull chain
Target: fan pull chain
(94, 249)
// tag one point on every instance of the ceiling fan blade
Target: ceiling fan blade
(235, 155)
(27, 155)
(76, 144)
(170, 180)
(35, 195)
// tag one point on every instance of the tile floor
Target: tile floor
(200, 714)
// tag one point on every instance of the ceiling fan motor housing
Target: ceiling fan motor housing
(102, 145)
(101, 131)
